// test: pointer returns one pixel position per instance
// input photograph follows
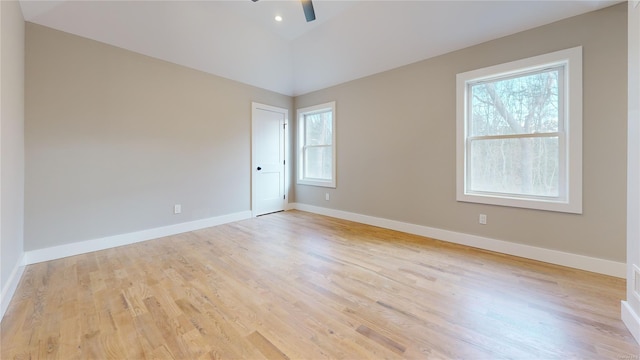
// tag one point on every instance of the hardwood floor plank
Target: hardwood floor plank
(381, 339)
(295, 285)
(128, 335)
(266, 347)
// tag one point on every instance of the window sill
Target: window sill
(327, 184)
(574, 207)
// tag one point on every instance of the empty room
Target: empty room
(264, 179)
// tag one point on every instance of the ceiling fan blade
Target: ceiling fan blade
(309, 13)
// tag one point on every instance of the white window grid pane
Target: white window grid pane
(318, 162)
(318, 128)
(498, 166)
(512, 104)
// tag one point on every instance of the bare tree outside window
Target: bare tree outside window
(514, 134)
(317, 150)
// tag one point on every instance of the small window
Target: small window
(519, 133)
(316, 145)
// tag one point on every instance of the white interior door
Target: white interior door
(268, 159)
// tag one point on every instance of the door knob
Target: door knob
(259, 168)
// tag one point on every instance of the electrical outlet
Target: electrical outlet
(326, 196)
(482, 219)
(177, 209)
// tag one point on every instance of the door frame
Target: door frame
(285, 149)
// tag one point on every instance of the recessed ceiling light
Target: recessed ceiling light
(278, 18)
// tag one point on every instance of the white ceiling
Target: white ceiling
(239, 39)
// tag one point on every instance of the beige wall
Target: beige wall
(396, 142)
(633, 178)
(114, 139)
(12, 145)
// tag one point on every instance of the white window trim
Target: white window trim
(300, 114)
(572, 60)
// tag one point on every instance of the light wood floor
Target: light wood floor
(301, 286)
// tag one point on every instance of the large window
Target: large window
(519, 133)
(316, 145)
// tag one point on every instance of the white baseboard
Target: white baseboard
(10, 287)
(601, 266)
(631, 319)
(61, 251)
